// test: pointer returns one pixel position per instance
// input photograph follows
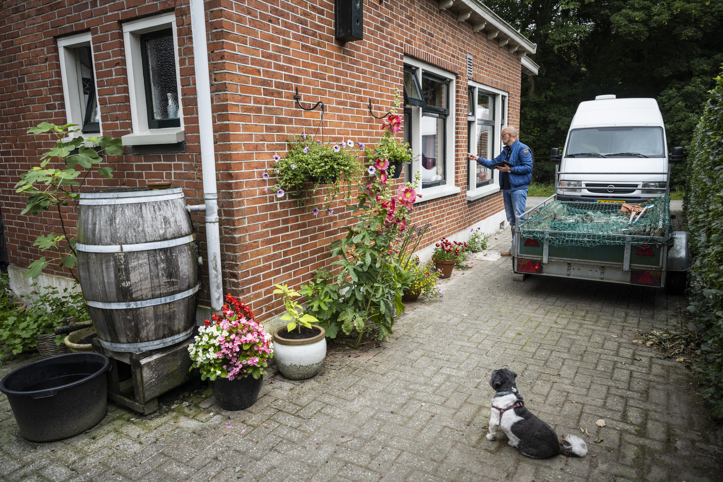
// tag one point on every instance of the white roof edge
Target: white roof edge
(497, 23)
(530, 65)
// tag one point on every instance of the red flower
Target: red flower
(207, 323)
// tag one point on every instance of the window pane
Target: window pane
(411, 87)
(485, 107)
(408, 139)
(433, 135)
(485, 143)
(86, 89)
(162, 76)
(616, 142)
(470, 102)
(435, 92)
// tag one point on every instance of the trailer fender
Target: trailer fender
(679, 253)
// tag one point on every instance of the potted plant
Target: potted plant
(389, 148)
(232, 351)
(34, 327)
(445, 255)
(423, 281)
(309, 163)
(300, 346)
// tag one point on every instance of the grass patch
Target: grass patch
(537, 189)
(676, 195)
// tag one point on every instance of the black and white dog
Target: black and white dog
(530, 435)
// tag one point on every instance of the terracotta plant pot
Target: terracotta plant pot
(300, 358)
(410, 296)
(445, 266)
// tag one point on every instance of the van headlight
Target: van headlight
(570, 183)
(656, 186)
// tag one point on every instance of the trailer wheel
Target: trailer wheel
(675, 282)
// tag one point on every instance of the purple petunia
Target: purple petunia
(303, 136)
(318, 141)
(372, 170)
(276, 157)
(315, 212)
(337, 148)
(306, 150)
(266, 189)
(293, 166)
(280, 193)
(361, 145)
(350, 143)
(265, 175)
(331, 211)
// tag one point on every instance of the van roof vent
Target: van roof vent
(605, 97)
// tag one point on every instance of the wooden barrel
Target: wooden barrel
(138, 267)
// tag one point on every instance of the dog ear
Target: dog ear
(514, 375)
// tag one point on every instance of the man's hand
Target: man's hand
(503, 168)
(471, 157)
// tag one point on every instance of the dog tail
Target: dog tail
(572, 445)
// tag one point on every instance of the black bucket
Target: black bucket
(58, 397)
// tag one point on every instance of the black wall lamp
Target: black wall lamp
(349, 20)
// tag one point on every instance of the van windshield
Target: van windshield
(616, 142)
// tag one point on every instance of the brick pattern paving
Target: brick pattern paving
(417, 408)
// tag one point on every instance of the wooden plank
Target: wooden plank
(162, 371)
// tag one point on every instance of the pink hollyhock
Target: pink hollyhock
(382, 164)
(383, 177)
(393, 123)
(407, 195)
(403, 224)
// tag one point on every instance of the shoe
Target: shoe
(505, 253)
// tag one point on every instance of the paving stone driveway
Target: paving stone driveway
(417, 408)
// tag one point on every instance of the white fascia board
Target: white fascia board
(494, 22)
(530, 65)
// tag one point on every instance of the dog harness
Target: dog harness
(503, 410)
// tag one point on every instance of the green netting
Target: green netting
(592, 224)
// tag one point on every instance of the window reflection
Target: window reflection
(433, 135)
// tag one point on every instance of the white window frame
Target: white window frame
(474, 192)
(448, 188)
(142, 134)
(69, 78)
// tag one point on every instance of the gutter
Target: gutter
(208, 157)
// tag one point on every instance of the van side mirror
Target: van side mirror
(555, 154)
(677, 155)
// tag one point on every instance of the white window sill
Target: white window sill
(437, 192)
(169, 135)
(483, 191)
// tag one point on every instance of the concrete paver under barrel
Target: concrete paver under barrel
(417, 408)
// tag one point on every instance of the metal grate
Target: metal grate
(470, 66)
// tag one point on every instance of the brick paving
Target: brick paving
(417, 407)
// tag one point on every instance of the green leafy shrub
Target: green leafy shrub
(53, 187)
(389, 147)
(48, 309)
(704, 211)
(477, 240)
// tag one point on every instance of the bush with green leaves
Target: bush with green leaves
(477, 240)
(367, 292)
(389, 147)
(309, 163)
(47, 309)
(54, 184)
(704, 212)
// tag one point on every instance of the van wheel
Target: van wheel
(675, 282)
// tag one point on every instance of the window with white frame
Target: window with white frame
(151, 47)
(429, 126)
(486, 117)
(78, 76)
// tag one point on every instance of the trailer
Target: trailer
(600, 241)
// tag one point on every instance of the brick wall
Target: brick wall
(259, 52)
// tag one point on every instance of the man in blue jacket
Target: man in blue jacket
(514, 180)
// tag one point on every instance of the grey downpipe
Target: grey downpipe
(208, 158)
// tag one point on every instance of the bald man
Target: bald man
(514, 180)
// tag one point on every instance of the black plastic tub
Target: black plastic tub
(58, 397)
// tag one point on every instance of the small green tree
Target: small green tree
(52, 187)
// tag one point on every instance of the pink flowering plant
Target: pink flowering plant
(367, 292)
(231, 346)
(308, 164)
(390, 149)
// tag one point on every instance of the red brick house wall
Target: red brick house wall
(259, 52)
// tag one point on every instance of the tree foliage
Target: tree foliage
(668, 50)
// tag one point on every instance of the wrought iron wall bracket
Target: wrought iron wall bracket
(297, 98)
(372, 113)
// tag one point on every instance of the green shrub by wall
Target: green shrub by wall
(704, 210)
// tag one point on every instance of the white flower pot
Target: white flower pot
(299, 359)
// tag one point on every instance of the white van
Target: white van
(615, 151)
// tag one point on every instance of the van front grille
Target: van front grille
(606, 188)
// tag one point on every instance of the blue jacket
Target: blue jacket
(521, 160)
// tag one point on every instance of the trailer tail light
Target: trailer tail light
(532, 242)
(645, 251)
(646, 278)
(529, 266)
